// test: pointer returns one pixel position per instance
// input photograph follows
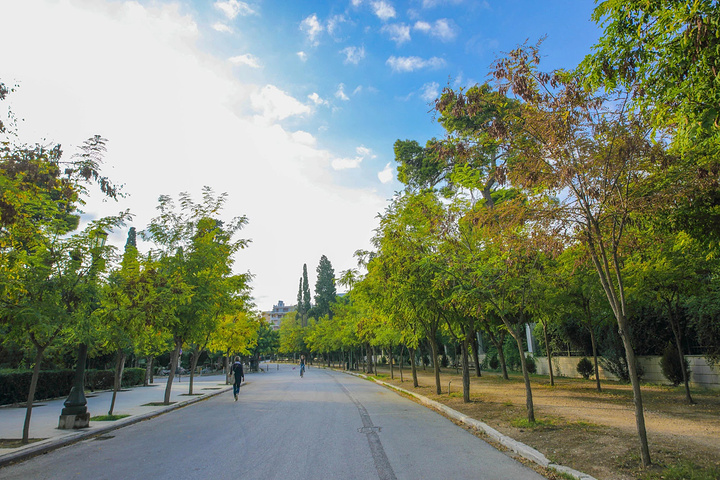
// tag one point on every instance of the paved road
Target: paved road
(326, 425)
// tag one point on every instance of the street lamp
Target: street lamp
(75, 413)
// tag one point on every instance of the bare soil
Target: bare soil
(579, 427)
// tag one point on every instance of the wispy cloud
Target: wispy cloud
(274, 104)
(430, 91)
(436, 3)
(444, 29)
(334, 22)
(386, 174)
(410, 64)
(353, 54)
(384, 10)
(221, 27)
(352, 162)
(340, 93)
(399, 32)
(316, 99)
(302, 56)
(245, 59)
(233, 8)
(312, 28)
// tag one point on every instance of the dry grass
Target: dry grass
(582, 428)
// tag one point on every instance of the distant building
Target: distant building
(274, 316)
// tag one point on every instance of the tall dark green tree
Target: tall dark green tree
(325, 292)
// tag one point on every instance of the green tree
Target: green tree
(325, 292)
(196, 245)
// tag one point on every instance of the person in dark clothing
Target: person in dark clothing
(237, 370)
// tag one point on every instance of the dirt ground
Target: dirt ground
(584, 429)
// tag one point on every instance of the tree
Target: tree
(198, 247)
(325, 292)
(666, 53)
(49, 277)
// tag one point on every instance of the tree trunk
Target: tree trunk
(675, 324)
(413, 367)
(498, 342)
(148, 370)
(465, 369)
(549, 354)
(637, 393)
(517, 335)
(194, 358)
(31, 394)
(119, 367)
(390, 357)
(595, 359)
(436, 365)
(402, 359)
(369, 356)
(173, 366)
(475, 347)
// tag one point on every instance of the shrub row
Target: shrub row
(15, 385)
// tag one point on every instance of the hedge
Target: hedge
(15, 385)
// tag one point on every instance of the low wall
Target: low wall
(701, 373)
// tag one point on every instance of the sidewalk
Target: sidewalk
(131, 401)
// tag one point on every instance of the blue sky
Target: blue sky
(292, 107)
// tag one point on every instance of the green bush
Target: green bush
(670, 365)
(585, 368)
(494, 362)
(133, 376)
(531, 365)
(15, 385)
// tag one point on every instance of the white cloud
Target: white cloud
(444, 29)
(302, 56)
(354, 162)
(386, 175)
(365, 152)
(221, 27)
(233, 8)
(384, 10)
(435, 3)
(274, 104)
(356, 3)
(245, 59)
(311, 27)
(304, 138)
(424, 27)
(340, 93)
(168, 135)
(430, 91)
(353, 54)
(316, 99)
(148, 57)
(357, 90)
(334, 22)
(399, 32)
(409, 64)
(346, 163)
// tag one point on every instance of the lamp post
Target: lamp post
(75, 413)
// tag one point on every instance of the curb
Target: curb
(50, 444)
(521, 449)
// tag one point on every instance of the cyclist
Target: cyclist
(302, 365)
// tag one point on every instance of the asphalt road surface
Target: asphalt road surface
(327, 425)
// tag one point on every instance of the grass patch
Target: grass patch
(536, 425)
(684, 471)
(380, 375)
(16, 442)
(456, 395)
(156, 404)
(507, 403)
(108, 418)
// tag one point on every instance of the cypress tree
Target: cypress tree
(325, 292)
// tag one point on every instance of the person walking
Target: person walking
(237, 371)
(302, 365)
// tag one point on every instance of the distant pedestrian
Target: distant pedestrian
(302, 365)
(237, 370)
